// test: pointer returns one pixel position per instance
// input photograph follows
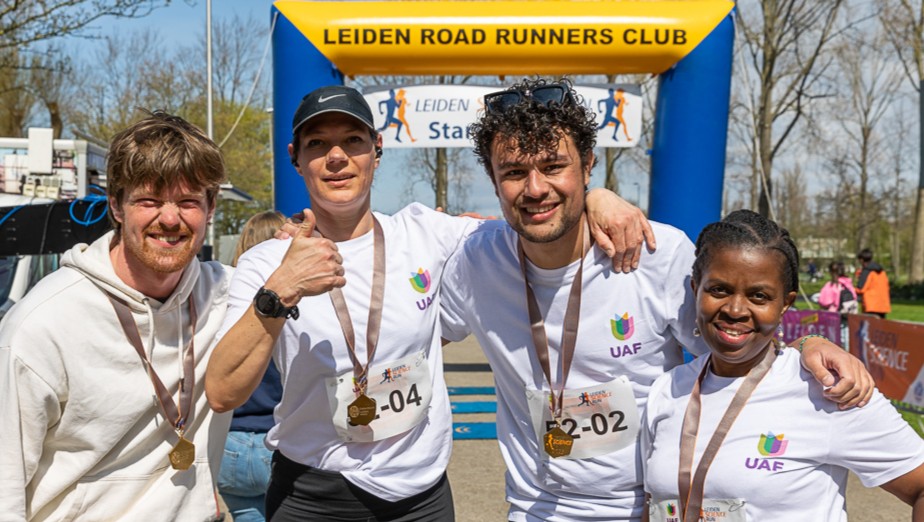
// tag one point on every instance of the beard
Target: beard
(159, 259)
(545, 232)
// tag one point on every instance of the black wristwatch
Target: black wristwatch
(267, 304)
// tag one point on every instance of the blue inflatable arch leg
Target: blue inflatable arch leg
(691, 129)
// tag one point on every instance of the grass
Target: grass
(911, 311)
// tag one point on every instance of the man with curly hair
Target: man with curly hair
(573, 366)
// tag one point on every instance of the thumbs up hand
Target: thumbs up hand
(311, 266)
(290, 227)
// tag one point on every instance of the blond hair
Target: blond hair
(258, 229)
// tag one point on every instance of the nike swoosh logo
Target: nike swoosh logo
(323, 99)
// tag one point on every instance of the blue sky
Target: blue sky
(184, 20)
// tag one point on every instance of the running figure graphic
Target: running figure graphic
(386, 376)
(396, 103)
(616, 100)
(585, 399)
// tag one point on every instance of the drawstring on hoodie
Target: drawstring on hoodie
(179, 342)
(179, 348)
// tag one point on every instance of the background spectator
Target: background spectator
(873, 285)
(838, 294)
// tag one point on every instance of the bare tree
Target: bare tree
(104, 104)
(900, 221)
(872, 80)
(783, 42)
(51, 74)
(904, 23)
(16, 100)
(430, 166)
(235, 60)
(792, 209)
(25, 22)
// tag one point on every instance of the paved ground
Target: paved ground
(476, 470)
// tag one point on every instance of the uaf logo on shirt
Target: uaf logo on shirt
(420, 282)
(770, 445)
(623, 327)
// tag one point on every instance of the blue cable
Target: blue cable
(10, 213)
(88, 219)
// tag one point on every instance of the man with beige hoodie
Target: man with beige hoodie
(102, 410)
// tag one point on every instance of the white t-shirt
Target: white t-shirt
(800, 476)
(311, 355)
(651, 309)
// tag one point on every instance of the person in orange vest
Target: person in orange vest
(873, 285)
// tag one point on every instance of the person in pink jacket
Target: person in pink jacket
(838, 294)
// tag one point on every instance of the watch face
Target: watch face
(266, 303)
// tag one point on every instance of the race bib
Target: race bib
(713, 510)
(401, 390)
(601, 419)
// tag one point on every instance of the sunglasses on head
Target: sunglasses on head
(545, 94)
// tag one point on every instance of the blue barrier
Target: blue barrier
(474, 407)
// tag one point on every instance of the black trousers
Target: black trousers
(301, 493)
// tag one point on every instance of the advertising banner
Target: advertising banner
(439, 115)
(798, 323)
(893, 351)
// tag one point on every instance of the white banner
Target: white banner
(439, 115)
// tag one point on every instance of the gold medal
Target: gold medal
(557, 442)
(361, 411)
(183, 454)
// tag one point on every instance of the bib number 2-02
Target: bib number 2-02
(598, 419)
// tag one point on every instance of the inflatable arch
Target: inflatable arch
(687, 43)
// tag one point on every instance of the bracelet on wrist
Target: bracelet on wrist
(806, 338)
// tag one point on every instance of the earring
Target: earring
(779, 334)
(696, 332)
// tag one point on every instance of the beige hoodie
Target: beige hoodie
(83, 437)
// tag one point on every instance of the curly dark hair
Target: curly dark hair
(535, 127)
(745, 228)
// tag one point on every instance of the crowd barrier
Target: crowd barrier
(893, 352)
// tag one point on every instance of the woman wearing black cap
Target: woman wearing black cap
(348, 308)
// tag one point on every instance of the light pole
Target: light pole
(208, 68)
(208, 100)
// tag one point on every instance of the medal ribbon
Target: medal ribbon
(176, 416)
(691, 490)
(569, 327)
(376, 301)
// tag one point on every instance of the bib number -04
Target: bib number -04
(401, 391)
(600, 419)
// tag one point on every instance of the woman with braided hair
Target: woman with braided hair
(749, 415)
